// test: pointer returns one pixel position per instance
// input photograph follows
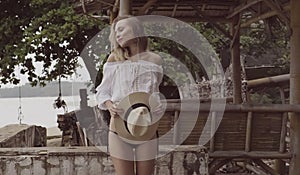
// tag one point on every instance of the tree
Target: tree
(46, 32)
(52, 34)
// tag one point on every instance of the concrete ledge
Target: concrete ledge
(89, 150)
(87, 160)
(91, 160)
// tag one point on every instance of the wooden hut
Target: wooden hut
(246, 130)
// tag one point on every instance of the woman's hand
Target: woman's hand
(159, 111)
(113, 110)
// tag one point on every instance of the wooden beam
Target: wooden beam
(251, 168)
(222, 30)
(176, 136)
(114, 11)
(282, 145)
(250, 155)
(234, 107)
(280, 166)
(295, 87)
(242, 7)
(263, 16)
(202, 2)
(248, 132)
(268, 81)
(279, 12)
(265, 167)
(83, 6)
(217, 164)
(106, 3)
(212, 132)
(125, 7)
(91, 7)
(204, 19)
(174, 10)
(200, 15)
(143, 10)
(235, 60)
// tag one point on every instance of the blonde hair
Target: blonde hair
(121, 53)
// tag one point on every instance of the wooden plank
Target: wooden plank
(266, 167)
(269, 108)
(142, 10)
(242, 7)
(176, 136)
(279, 12)
(248, 132)
(269, 81)
(280, 165)
(266, 15)
(212, 132)
(250, 155)
(216, 164)
(253, 169)
(266, 131)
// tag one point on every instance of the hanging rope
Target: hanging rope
(20, 113)
(58, 103)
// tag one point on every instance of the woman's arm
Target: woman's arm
(104, 93)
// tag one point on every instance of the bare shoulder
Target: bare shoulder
(111, 58)
(154, 58)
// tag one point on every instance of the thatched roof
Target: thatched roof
(195, 10)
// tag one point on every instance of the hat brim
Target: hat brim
(125, 104)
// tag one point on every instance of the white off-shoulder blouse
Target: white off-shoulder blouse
(124, 77)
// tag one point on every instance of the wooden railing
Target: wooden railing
(253, 132)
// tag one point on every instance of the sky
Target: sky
(81, 75)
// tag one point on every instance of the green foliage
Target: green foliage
(266, 96)
(176, 55)
(50, 33)
(215, 38)
(260, 45)
(47, 32)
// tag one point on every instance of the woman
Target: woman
(129, 68)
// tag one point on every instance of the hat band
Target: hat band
(134, 106)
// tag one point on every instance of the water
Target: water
(36, 110)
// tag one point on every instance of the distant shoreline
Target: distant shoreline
(39, 96)
(50, 90)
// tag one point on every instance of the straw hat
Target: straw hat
(136, 123)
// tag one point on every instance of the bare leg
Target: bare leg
(145, 167)
(123, 167)
(121, 154)
(145, 156)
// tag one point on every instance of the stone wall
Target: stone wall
(91, 161)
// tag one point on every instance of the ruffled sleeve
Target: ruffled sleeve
(104, 90)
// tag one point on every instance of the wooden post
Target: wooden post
(125, 7)
(295, 87)
(248, 132)
(176, 136)
(83, 98)
(280, 164)
(235, 58)
(212, 132)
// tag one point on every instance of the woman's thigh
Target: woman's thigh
(145, 157)
(146, 151)
(122, 155)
